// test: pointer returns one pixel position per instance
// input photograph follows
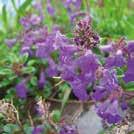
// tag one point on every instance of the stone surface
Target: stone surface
(89, 123)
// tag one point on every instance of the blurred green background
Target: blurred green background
(111, 18)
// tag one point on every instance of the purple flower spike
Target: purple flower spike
(21, 89)
(85, 37)
(37, 130)
(50, 9)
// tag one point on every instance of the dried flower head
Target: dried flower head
(84, 34)
(8, 110)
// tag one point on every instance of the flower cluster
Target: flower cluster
(77, 64)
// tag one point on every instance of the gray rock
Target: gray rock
(89, 123)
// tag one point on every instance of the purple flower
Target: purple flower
(110, 111)
(32, 39)
(117, 60)
(107, 48)
(129, 74)
(68, 129)
(42, 80)
(116, 51)
(25, 22)
(107, 84)
(50, 9)
(80, 74)
(79, 90)
(30, 20)
(74, 16)
(39, 7)
(37, 130)
(100, 93)
(52, 69)
(75, 3)
(35, 20)
(10, 42)
(130, 47)
(27, 50)
(110, 95)
(109, 80)
(67, 54)
(41, 50)
(21, 89)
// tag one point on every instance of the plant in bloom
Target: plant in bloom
(77, 64)
(52, 63)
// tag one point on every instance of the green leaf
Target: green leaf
(28, 70)
(32, 62)
(23, 7)
(25, 58)
(65, 97)
(33, 81)
(55, 56)
(4, 16)
(56, 115)
(14, 5)
(10, 128)
(47, 90)
(96, 51)
(129, 86)
(27, 129)
(1, 116)
(44, 62)
(12, 57)
(5, 71)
